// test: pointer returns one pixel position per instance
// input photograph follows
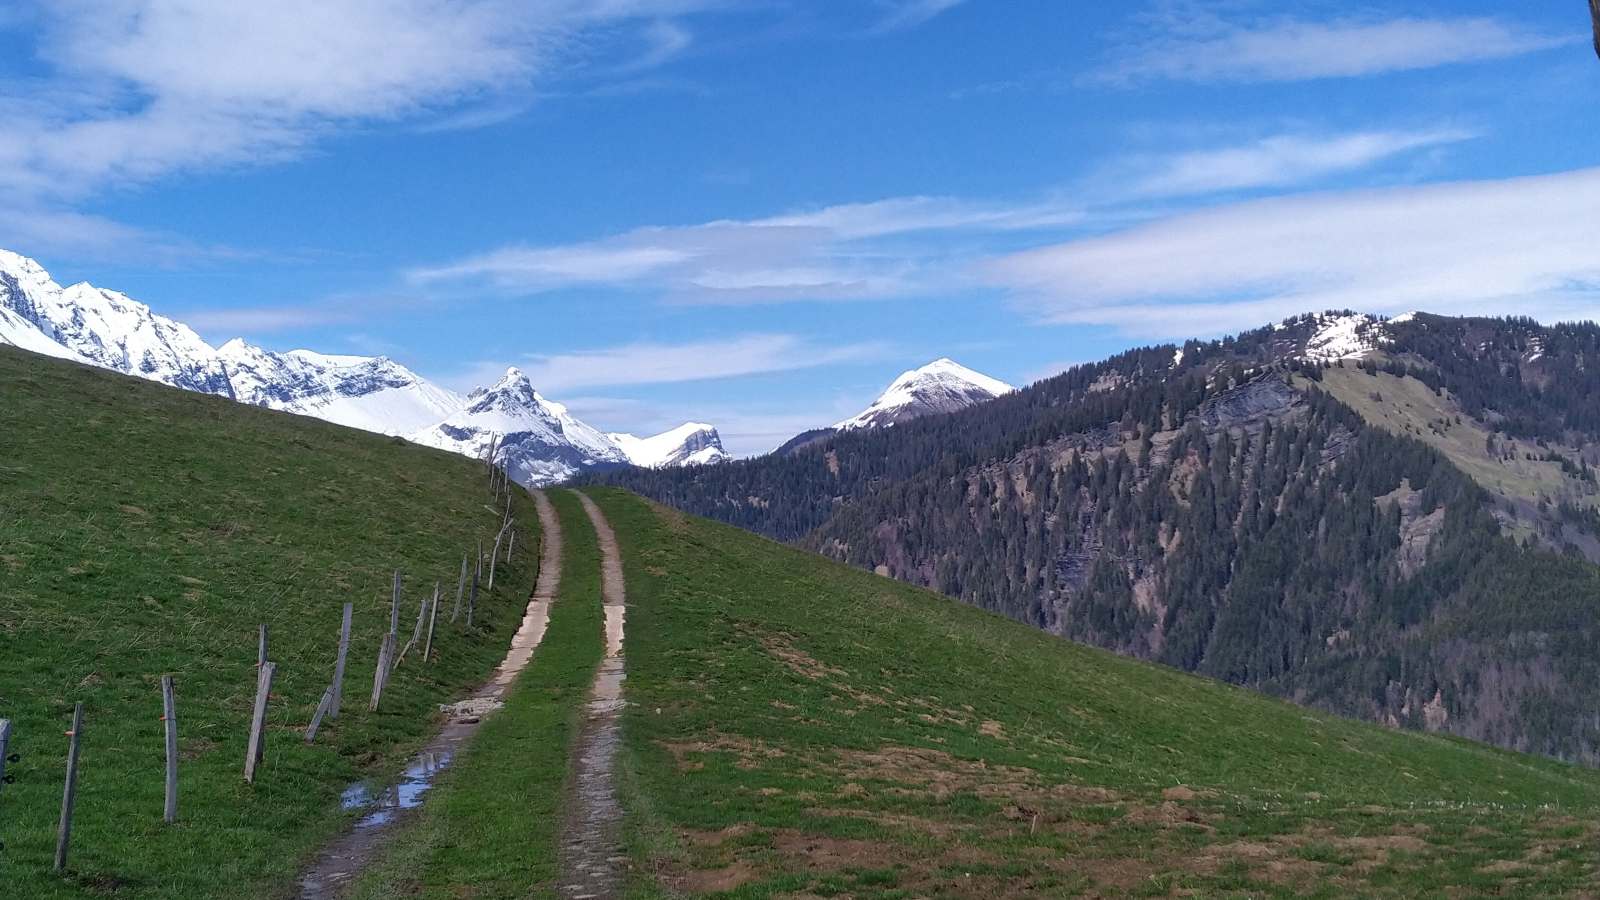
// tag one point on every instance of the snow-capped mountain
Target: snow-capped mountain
(537, 441)
(107, 329)
(373, 394)
(690, 444)
(941, 386)
(541, 442)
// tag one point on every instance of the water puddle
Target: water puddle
(386, 800)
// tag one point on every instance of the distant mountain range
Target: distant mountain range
(1394, 519)
(540, 442)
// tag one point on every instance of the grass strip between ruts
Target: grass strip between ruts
(491, 823)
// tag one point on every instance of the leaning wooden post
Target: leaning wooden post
(511, 544)
(381, 676)
(69, 793)
(433, 616)
(258, 721)
(472, 600)
(169, 708)
(322, 710)
(460, 586)
(416, 634)
(5, 739)
(338, 667)
(496, 558)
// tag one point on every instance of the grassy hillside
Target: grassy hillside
(148, 531)
(802, 728)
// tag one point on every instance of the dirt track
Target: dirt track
(340, 861)
(590, 848)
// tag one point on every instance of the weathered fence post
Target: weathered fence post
(258, 720)
(460, 586)
(322, 710)
(338, 667)
(433, 616)
(496, 557)
(169, 709)
(381, 676)
(416, 634)
(5, 739)
(511, 545)
(69, 793)
(472, 601)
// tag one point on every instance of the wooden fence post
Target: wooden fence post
(433, 616)
(169, 706)
(322, 710)
(258, 721)
(416, 634)
(460, 586)
(472, 601)
(69, 793)
(381, 676)
(496, 557)
(5, 740)
(511, 545)
(338, 667)
(394, 608)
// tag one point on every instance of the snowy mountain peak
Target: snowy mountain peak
(941, 386)
(690, 444)
(538, 441)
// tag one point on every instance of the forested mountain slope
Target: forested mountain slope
(1393, 525)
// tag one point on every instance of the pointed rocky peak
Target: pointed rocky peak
(941, 386)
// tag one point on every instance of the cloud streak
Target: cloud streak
(1281, 160)
(825, 254)
(644, 363)
(1291, 50)
(1528, 245)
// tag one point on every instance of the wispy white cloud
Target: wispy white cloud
(1527, 246)
(1278, 161)
(824, 254)
(636, 364)
(140, 89)
(1291, 50)
(911, 13)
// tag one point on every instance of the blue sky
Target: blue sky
(757, 212)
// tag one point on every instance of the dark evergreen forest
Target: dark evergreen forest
(1218, 512)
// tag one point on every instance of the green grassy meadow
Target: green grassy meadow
(488, 828)
(800, 729)
(148, 531)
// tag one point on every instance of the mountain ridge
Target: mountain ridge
(108, 329)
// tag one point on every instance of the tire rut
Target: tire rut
(591, 849)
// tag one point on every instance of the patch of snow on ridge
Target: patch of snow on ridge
(1339, 337)
(939, 387)
(690, 444)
